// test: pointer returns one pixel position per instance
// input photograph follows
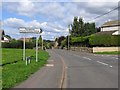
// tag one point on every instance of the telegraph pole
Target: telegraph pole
(68, 37)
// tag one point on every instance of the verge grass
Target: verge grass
(14, 73)
(112, 53)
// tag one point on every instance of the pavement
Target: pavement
(70, 69)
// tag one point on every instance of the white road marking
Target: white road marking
(105, 64)
(51, 60)
(102, 63)
(49, 65)
(77, 55)
(87, 58)
(110, 66)
(115, 58)
(66, 67)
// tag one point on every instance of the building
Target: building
(26, 39)
(3, 38)
(2, 33)
(111, 26)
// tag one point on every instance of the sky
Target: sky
(53, 16)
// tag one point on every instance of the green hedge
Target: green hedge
(96, 40)
(17, 44)
(79, 39)
(104, 40)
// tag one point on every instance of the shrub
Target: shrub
(104, 40)
(17, 44)
(82, 41)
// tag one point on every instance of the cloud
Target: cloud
(55, 16)
(48, 28)
(13, 23)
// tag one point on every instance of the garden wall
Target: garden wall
(82, 49)
(95, 49)
(105, 49)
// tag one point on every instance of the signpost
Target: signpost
(25, 30)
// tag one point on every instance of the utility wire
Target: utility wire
(106, 13)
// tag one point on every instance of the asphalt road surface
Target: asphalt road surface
(70, 69)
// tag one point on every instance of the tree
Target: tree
(79, 28)
(75, 27)
(40, 40)
(60, 39)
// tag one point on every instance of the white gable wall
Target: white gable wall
(110, 28)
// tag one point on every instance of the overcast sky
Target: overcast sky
(53, 16)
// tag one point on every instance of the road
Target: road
(70, 69)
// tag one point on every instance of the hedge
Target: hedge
(97, 40)
(17, 44)
(104, 40)
(79, 39)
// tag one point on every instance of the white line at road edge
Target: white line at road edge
(87, 58)
(104, 64)
(49, 65)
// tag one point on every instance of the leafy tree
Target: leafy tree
(40, 40)
(60, 39)
(75, 27)
(79, 28)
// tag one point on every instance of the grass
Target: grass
(112, 53)
(13, 74)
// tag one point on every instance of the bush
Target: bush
(81, 41)
(17, 44)
(104, 40)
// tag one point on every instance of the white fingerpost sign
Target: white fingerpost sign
(25, 30)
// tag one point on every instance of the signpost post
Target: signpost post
(42, 43)
(24, 48)
(28, 30)
(36, 49)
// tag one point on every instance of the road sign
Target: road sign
(30, 30)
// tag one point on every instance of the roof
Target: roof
(105, 33)
(2, 32)
(116, 33)
(111, 23)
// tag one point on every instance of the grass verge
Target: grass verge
(112, 53)
(12, 74)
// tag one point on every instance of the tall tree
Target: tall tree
(81, 27)
(40, 40)
(75, 27)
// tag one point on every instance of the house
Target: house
(56, 44)
(111, 26)
(3, 38)
(2, 33)
(26, 39)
